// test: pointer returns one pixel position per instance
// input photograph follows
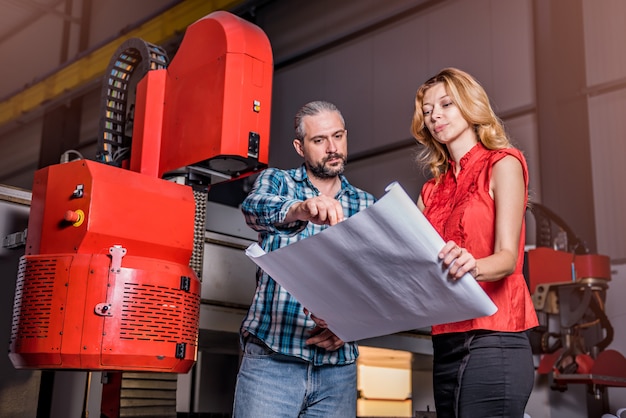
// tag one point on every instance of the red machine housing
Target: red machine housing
(546, 265)
(211, 106)
(571, 289)
(105, 282)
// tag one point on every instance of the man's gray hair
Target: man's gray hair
(312, 109)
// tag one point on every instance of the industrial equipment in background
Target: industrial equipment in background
(111, 276)
(568, 287)
(110, 279)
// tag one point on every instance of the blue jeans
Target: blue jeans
(273, 385)
(482, 374)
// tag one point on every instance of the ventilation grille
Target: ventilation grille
(158, 313)
(32, 307)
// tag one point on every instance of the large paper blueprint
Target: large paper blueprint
(376, 273)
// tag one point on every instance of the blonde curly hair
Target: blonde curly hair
(472, 100)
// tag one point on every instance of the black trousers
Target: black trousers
(481, 374)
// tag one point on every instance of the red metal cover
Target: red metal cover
(546, 265)
(217, 94)
(148, 216)
(105, 283)
(77, 312)
(593, 266)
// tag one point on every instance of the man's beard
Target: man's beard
(320, 170)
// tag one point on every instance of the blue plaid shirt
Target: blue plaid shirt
(275, 317)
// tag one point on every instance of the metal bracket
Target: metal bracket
(103, 309)
(185, 283)
(15, 240)
(117, 253)
(180, 350)
(253, 144)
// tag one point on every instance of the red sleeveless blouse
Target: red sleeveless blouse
(461, 209)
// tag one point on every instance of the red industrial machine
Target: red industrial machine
(108, 280)
(568, 286)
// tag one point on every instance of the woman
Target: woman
(476, 200)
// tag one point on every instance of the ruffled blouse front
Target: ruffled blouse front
(461, 209)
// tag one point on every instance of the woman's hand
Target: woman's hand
(458, 260)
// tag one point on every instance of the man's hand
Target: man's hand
(321, 336)
(324, 338)
(321, 210)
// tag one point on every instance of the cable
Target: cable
(130, 63)
(65, 157)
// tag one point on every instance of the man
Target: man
(292, 364)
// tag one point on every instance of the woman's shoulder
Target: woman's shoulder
(496, 155)
(503, 152)
(508, 158)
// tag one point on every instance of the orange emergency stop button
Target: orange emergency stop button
(75, 217)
